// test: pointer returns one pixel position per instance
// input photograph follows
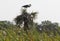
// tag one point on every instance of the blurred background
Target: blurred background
(47, 9)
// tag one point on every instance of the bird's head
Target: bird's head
(29, 4)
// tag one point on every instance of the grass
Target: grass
(20, 35)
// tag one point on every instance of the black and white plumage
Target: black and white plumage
(26, 6)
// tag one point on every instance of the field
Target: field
(18, 34)
(10, 32)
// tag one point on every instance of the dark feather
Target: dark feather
(26, 6)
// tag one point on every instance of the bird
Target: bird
(26, 6)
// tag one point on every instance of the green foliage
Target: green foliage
(49, 28)
(25, 19)
(18, 34)
(5, 24)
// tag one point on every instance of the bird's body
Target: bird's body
(26, 6)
